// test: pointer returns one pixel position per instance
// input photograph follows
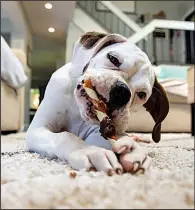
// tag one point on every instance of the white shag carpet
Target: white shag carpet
(31, 181)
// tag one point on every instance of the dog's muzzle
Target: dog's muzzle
(119, 96)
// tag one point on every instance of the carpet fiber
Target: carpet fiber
(31, 181)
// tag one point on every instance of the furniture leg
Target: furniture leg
(192, 119)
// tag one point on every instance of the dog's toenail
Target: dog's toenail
(111, 172)
(136, 166)
(140, 171)
(119, 171)
(92, 169)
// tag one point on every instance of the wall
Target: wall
(80, 24)
(74, 32)
(175, 10)
(18, 38)
(14, 22)
(140, 7)
(85, 22)
(124, 6)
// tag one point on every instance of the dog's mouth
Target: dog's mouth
(113, 119)
(103, 104)
(97, 109)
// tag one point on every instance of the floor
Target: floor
(31, 181)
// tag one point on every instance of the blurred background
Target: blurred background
(42, 35)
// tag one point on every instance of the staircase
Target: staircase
(169, 49)
(111, 22)
(112, 19)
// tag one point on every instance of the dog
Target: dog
(65, 125)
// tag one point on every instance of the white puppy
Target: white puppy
(65, 124)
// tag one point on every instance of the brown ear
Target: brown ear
(89, 39)
(158, 106)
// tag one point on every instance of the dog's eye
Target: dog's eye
(113, 59)
(141, 95)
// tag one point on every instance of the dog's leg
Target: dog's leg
(69, 147)
(42, 140)
(135, 161)
(132, 156)
(96, 139)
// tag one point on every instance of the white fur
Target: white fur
(60, 126)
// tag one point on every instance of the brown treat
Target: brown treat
(73, 174)
(107, 128)
(88, 84)
(99, 105)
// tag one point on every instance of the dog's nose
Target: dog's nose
(119, 95)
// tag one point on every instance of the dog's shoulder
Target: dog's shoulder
(62, 73)
(60, 81)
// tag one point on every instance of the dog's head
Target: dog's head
(121, 75)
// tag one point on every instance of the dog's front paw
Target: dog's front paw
(136, 161)
(132, 156)
(95, 158)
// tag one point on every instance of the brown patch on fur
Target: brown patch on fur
(158, 106)
(108, 43)
(89, 39)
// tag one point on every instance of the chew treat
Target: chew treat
(73, 174)
(107, 128)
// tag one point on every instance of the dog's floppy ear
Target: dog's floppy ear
(88, 40)
(88, 45)
(158, 106)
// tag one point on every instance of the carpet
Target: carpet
(29, 180)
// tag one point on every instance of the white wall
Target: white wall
(74, 32)
(85, 22)
(80, 24)
(124, 6)
(174, 9)
(13, 21)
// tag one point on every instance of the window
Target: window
(34, 98)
